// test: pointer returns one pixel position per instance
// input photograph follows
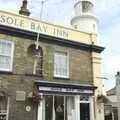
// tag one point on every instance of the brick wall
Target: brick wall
(80, 72)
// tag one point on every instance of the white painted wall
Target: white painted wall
(85, 23)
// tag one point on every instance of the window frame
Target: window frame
(11, 56)
(67, 55)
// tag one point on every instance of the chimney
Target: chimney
(24, 10)
(117, 78)
(118, 73)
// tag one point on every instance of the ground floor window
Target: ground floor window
(59, 107)
(3, 107)
(56, 107)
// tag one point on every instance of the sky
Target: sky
(61, 12)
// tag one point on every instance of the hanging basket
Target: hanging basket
(35, 96)
(33, 52)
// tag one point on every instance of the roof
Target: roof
(111, 91)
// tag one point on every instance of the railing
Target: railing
(3, 116)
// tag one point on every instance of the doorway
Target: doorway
(85, 106)
(84, 111)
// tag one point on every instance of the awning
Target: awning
(48, 87)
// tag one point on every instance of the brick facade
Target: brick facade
(80, 67)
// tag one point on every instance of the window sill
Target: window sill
(35, 75)
(5, 72)
(61, 77)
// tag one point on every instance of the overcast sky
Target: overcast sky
(61, 11)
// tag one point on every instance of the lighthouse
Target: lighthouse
(84, 18)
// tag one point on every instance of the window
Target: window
(59, 107)
(61, 67)
(3, 107)
(6, 55)
(86, 6)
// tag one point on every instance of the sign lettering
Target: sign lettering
(32, 25)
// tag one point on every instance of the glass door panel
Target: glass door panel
(59, 108)
(48, 107)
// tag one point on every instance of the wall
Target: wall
(80, 72)
(118, 92)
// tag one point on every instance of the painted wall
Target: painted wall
(29, 24)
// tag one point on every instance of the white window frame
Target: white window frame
(12, 52)
(67, 55)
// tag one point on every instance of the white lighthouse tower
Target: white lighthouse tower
(84, 18)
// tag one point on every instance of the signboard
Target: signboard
(29, 24)
(64, 90)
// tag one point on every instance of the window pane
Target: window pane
(3, 107)
(57, 64)
(5, 62)
(5, 49)
(70, 107)
(48, 107)
(8, 49)
(3, 104)
(5, 55)
(59, 108)
(86, 6)
(61, 64)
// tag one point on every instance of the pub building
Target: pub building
(47, 71)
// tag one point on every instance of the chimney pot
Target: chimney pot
(24, 10)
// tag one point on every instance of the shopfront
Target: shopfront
(61, 101)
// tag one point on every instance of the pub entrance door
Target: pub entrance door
(84, 111)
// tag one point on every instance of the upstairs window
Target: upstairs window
(6, 55)
(61, 65)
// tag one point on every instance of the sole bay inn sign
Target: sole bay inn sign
(32, 25)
